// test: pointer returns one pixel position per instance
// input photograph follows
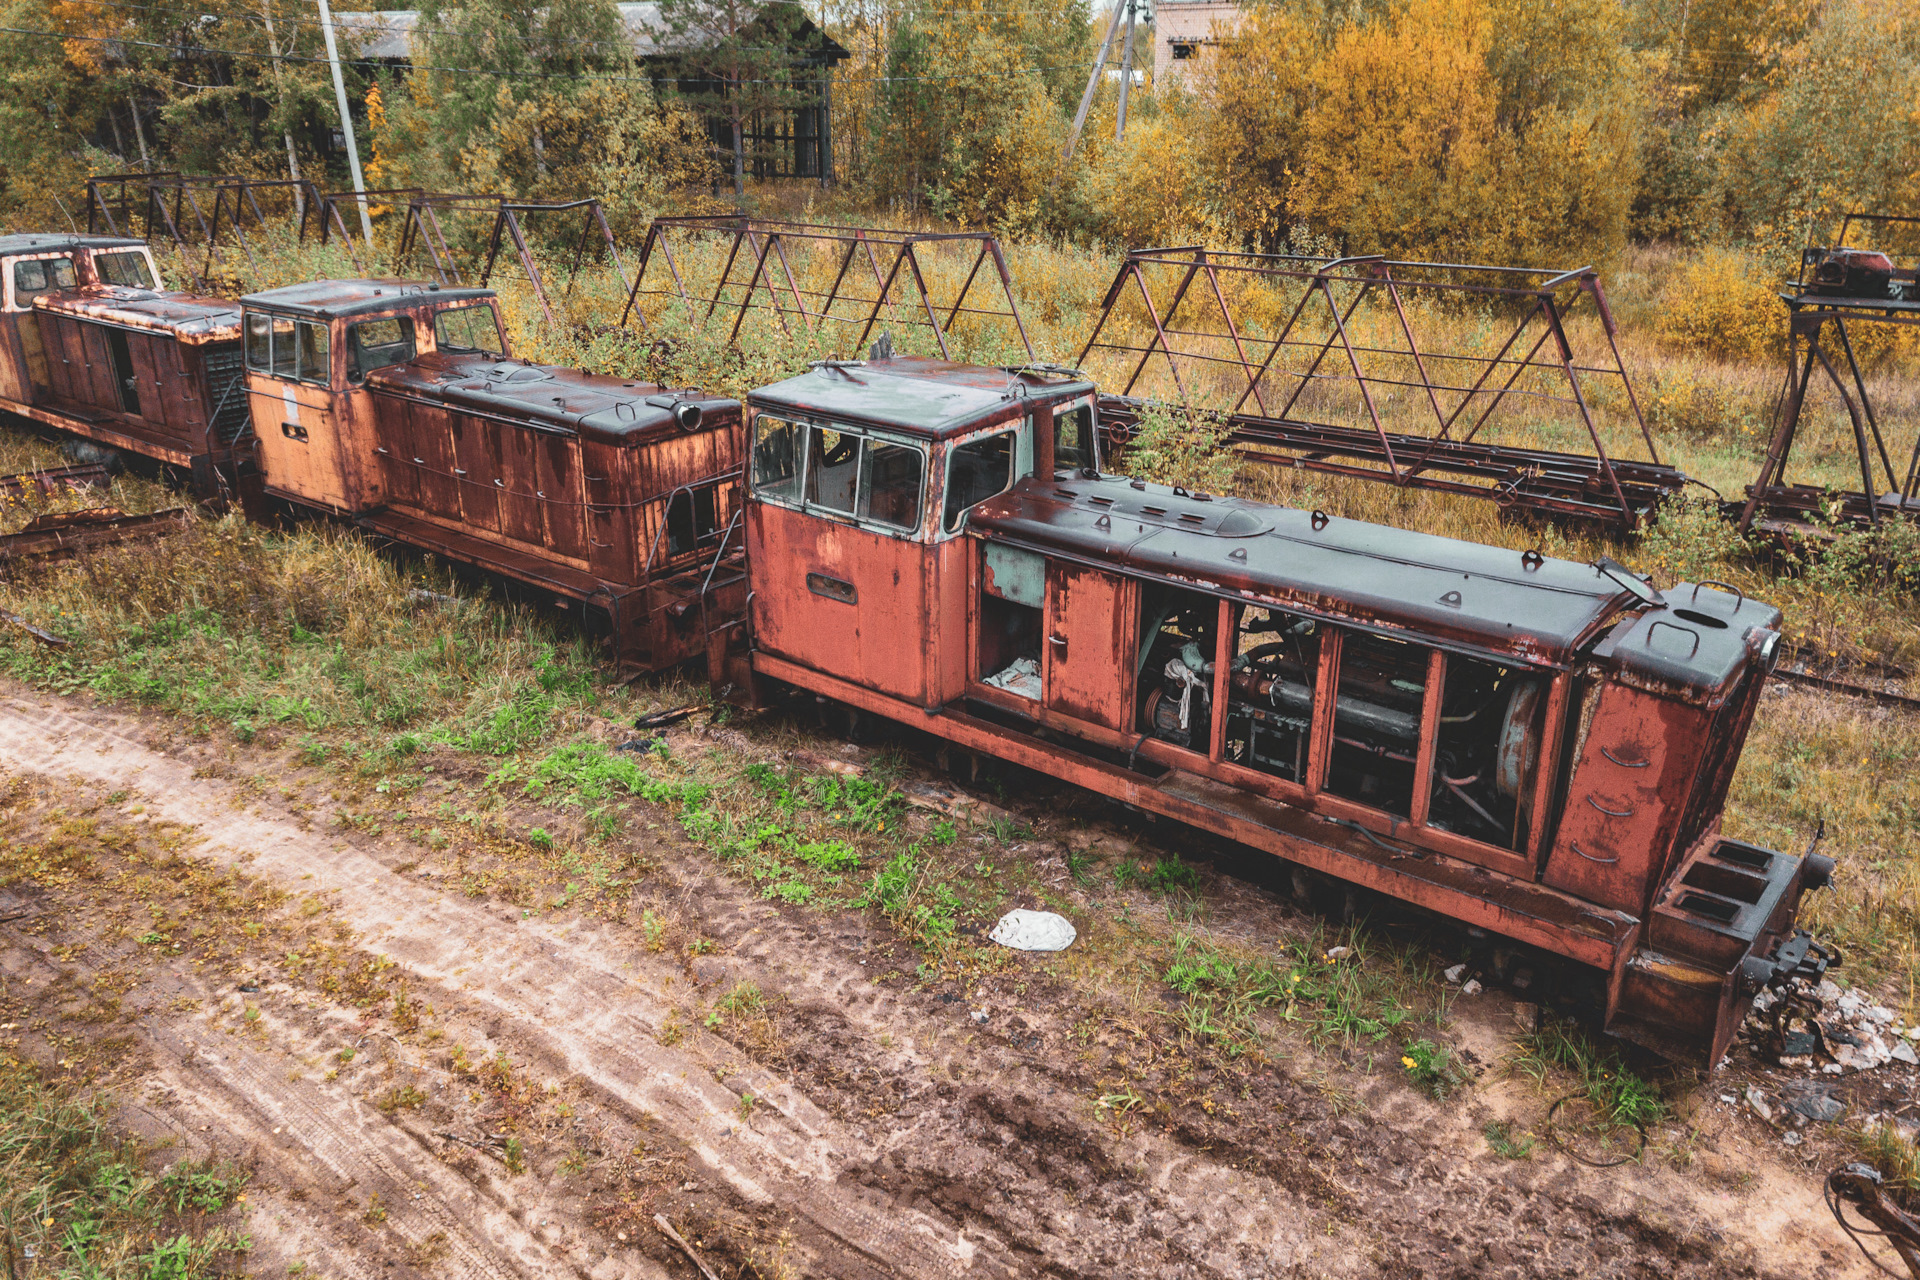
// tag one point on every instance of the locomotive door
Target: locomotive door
(1088, 654)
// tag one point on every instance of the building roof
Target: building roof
(185, 315)
(331, 299)
(552, 398)
(388, 35)
(1488, 598)
(48, 243)
(933, 399)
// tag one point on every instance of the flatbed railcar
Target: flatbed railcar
(397, 406)
(1533, 747)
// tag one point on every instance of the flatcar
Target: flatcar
(91, 346)
(397, 406)
(1536, 748)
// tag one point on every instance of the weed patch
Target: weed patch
(89, 1205)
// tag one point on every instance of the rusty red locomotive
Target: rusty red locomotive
(1535, 748)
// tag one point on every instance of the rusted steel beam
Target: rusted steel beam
(59, 537)
(1387, 345)
(794, 245)
(55, 481)
(1852, 280)
(1545, 481)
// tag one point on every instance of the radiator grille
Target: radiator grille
(227, 410)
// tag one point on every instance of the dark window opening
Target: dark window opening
(124, 377)
(128, 269)
(1270, 693)
(1486, 751)
(375, 344)
(470, 329)
(1183, 52)
(1175, 665)
(776, 458)
(693, 520)
(1073, 443)
(1376, 721)
(975, 472)
(38, 276)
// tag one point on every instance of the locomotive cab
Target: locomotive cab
(1536, 748)
(397, 405)
(863, 476)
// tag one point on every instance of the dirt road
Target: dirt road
(541, 1088)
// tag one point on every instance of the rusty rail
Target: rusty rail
(759, 273)
(58, 537)
(54, 481)
(1197, 326)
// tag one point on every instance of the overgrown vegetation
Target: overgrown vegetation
(77, 1201)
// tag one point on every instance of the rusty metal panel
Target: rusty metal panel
(1622, 807)
(432, 456)
(612, 541)
(473, 460)
(562, 495)
(840, 599)
(1087, 663)
(517, 461)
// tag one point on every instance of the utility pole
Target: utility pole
(1086, 99)
(1126, 78)
(346, 124)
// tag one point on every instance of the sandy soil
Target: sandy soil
(860, 1125)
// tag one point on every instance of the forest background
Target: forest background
(1551, 132)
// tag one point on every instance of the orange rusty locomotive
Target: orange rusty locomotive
(394, 405)
(1537, 748)
(90, 346)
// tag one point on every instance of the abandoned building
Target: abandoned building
(794, 140)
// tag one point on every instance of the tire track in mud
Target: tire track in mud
(554, 984)
(307, 1139)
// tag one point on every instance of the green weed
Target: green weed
(1615, 1092)
(87, 1204)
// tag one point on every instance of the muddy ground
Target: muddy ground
(427, 1077)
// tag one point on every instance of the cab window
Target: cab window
(37, 276)
(288, 348)
(468, 329)
(127, 268)
(1073, 444)
(776, 457)
(375, 344)
(975, 472)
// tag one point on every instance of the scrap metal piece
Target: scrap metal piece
(1317, 365)
(1862, 1187)
(66, 534)
(54, 481)
(815, 274)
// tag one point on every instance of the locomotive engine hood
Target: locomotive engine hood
(186, 316)
(1520, 606)
(616, 411)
